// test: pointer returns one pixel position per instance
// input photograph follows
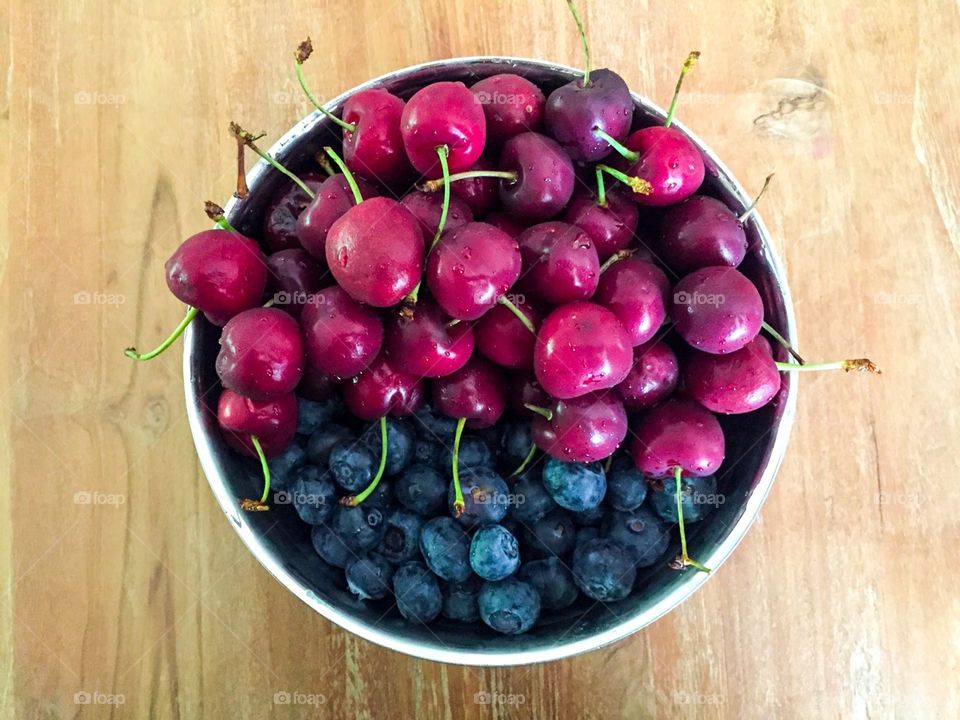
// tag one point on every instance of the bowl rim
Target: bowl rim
(436, 651)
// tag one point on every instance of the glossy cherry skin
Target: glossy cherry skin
(678, 433)
(700, 232)
(332, 200)
(374, 150)
(512, 105)
(653, 377)
(611, 228)
(717, 309)
(508, 223)
(375, 252)
(273, 422)
(740, 382)
(261, 353)
(280, 218)
(381, 389)
(582, 429)
(581, 347)
(294, 276)
(523, 389)
(316, 385)
(670, 162)
(501, 336)
(218, 272)
(560, 263)
(545, 177)
(424, 345)
(426, 208)
(638, 293)
(477, 392)
(443, 113)
(340, 335)
(471, 268)
(479, 193)
(575, 111)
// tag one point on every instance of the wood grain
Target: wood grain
(842, 601)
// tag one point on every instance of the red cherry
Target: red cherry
(512, 105)
(559, 261)
(341, 336)
(443, 113)
(545, 176)
(501, 336)
(426, 208)
(669, 161)
(740, 382)
(475, 392)
(611, 228)
(425, 346)
(637, 292)
(280, 218)
(273, 422)
(583, 429)
(700, 232)
(479, 193)
(381, 389)
(522, 390)
(374, 150)
(510, 225)
(653, 377)
(717, 309)
(261, 353)
(678, 433)
(294, 276)
(334, 197)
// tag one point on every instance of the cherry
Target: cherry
(740, 382)
(524, 390)
(272, 422)
(294, 276)
(443, 113)
(504, 339)
(374, 148)
(341, 336)
(509, 224)
(511, 104)
(478, 191)
(334, 197)
(427, 208)
(717, 309)
(476, 392)
(582, 429)
(375, 252)
(637, 292)
(425, 345)
(678, 434)
(653, 377)
(382, 389)
(700, 232)
(316, 385)
(581, 347)
(471, 268)
(610, 226)
(281, 216)
(560, 262)
(544, 176)
(261, 353)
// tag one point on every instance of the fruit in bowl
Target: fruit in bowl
(492, 389)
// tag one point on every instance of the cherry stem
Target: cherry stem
(354, 500)
(542, 411)
(685, 559)
(324, 162)
(783, 341)
(526, 461)
(354, 188)
(434, 185)
(304, 50)
(601, 190)
(458, 504)
(583, 41)
(638, 185)
(626, 152)
(615, 258)
(215, 213)
(858, 364)
(687, 67)
(249, 140)
(749, 211)
(261, 504)
(177, 332)
(507, 303)
(242, 190)
(442, 152)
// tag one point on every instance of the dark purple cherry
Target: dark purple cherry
(560, 263)
(382, 389)
(700, 232)
(611, 228)
(280, 218)
(545, 176)
(261, 353)
(294, 276)
(426, 208)
(479, 193)
(581, 347)
(443, 113)
(316, 385)
(334, 197)
(476, 392)
(740, 382)
(653, 377)
(638, 293)
(523, 389)
(678, 433)
(669, 161)
(426, 345)
(273, 422)
(512, 105)
(508, 223)
(717, 309)
(341, 336)
(374, 150)
(582, 429)
(503, 338)
(575, 111)
(471, 268)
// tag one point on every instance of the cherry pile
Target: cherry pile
(482, 348)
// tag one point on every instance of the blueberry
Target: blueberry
(588, 518)
(553, 535)
(352, 465)
(494, 553)
(515, 443)
(401, 537)
(399, 443)
(417, 591)
(460, 600)
(323, 440)
(603, 570)
(574, 486)
(509, 606)
(643, 534)
(532, 499)
(584, 534)
(313, 495)
(626, 486)
(369, 577)
(427, 452)
(330, 547)
(422, 489)
(382, 496)
(486, 497)
(446, 549)
(312, 415)
(552, 581)
(361, 528)
(437, 426)
(473, 453)
(282, 466)
(698, 496)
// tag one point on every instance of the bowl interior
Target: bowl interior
(281, 541)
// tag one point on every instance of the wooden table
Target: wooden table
(841, 602)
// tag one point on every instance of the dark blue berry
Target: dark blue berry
(460, 600)
(584, 534)
(532, 499)
(361, 528)
(588, 518)
(515, 443)
(473, 453)
(330, 547)
(641, 532)
(494, 553)
(313, 495)
(626, 486)
(446, 549)
(552, 581)
(427, 452)
(352, 465)
(282, 466)
(382, 496)
(574, 486)
(312, 415)
(553, 535)
(486, 497)
(369, 578)
(509, 606)
(401, 538)
(603, 570)
(437, 426)
(698, 495)
(417, 591)
(323, 440)
(422, 489)
(399, 443)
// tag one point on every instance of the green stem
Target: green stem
(783, 341)
(177, 332)
(458, 504)
(858, 364)
(264, 466)
(316, 103)
(583, 41)
(507, 303)
(626, 152)
(638, 185)
(526, 461)
(357, 197)
(601, 189)
(687, 66)
(749, 211)
(614, 259)
(543, 412)
(434, 185)
(225, 225)
(442, 152)
(685, 558)
(357, 499)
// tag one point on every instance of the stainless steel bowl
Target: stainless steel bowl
(756, 443)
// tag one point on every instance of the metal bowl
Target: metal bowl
(281, 542)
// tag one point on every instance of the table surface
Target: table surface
(841, 602)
